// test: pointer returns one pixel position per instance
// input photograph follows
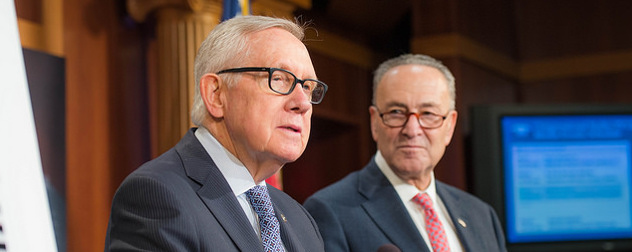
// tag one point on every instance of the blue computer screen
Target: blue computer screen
(567, 177)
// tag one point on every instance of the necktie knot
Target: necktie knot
(424, 200)
(260, 200)
(268, 223)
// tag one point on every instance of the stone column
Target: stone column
(181, 26)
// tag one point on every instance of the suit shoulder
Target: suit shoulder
(340, 190)
(164, 162)
(280, 195)
(167, 169)
(455, 192)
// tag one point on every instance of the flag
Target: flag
(234, 8)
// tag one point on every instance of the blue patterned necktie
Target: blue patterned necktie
(269, 224)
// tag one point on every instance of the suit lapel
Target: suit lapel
(387, 211)
(216, 193)
(458, 214)
(288, 235)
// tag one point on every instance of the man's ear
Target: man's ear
(211, 90)
(375, 120)
(451, 125)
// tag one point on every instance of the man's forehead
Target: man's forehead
(291, 55)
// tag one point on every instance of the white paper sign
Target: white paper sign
(25, 218)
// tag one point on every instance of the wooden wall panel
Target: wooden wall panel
(610, 88)
(40, 25)
(478, 85)
(29, 10)
(106, 118)
(333, 151)
(340, 140)
(575, 51)
(475, 85)
(526, 51)
(349, 86)
(433, 17)
(489, 22)
(550, 29)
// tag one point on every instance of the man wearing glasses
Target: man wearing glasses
(255, 87)
(394, 203)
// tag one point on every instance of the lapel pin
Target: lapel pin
(462, 223)
(283, 217)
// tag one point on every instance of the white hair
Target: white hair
(226, 46)
(415, 59)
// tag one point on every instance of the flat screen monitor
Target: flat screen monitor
(559, 176)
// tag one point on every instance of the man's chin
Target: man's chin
(413, 155)
(414, 164)
(289, 156)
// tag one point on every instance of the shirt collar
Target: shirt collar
(234, 171)
(405, 191)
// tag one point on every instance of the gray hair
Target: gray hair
(227, 46)
(415, 59)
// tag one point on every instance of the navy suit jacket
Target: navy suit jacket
(363, 211)
(181, 202)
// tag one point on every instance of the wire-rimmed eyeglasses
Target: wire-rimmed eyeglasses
(282, 81)
(397, 118)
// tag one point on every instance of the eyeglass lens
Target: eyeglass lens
(425, 120)
(284, 82)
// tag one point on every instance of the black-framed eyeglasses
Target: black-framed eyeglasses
(283, 82)
(397, 118)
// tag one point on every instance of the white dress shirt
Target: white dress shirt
(406, 193)
(237, 175)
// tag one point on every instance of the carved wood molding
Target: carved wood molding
(46, 36)
(457, 45)
(139, 10)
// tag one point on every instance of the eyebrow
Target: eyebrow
(422, 105)
(287, 68)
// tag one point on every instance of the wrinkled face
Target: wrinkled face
(412, 151)
(265, 126)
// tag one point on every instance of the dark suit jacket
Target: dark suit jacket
(181, 202)
(363, 211)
